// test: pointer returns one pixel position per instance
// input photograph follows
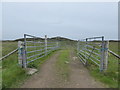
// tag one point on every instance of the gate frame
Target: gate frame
(104, 52)
(22, 50)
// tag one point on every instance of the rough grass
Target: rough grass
(109, 77)
(114, 47)
(8, 47)
(62, 65)
(12, 74)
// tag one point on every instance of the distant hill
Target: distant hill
(61, 39)
(114, 40)
(53, 38)
(22, 39)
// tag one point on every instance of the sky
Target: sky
(74, 20)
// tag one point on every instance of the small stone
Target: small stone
(74, 58)
(31, 71)
(66, 62)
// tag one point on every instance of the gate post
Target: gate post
(102, 55)
(20, 53)
(45, 44)
(105, 62)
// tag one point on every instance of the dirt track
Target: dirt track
(47, 77)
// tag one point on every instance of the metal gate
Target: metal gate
(34, 48)
(93, 50)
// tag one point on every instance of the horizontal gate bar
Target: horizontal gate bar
(81, 57)
(35, 59)
(95, 37)
(31, 36)
(98, 55)
(92, 47)
(94, 61)
(50, 45)
(91, 55)
(93, 43)
(38, 57)
(35, 51)
(34, 42)
(35, 55)
(33, 46)
(51, 42)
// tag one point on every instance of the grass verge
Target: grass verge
(62, 64)
(110, 76)
(11, 72)
(13, 75)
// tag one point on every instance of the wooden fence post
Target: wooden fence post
(105, 62)
(20, 53)
(45, 44)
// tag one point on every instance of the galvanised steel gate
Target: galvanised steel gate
(93, 50)
(34, 48)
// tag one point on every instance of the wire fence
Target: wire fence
(8, 54)
(34, 48)
(93, 50)
(113, 53)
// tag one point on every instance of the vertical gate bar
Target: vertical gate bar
(78, 48)
(24, 53)
(86, 51)
(34, 45)
(40, 44)
(57, 44)
(102, 55)
(45, 44)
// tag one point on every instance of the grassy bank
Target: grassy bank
(62, 64)
(12, 74)
(109, 77)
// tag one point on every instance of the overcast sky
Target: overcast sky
(68, 19)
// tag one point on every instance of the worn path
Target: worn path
(47, 77)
